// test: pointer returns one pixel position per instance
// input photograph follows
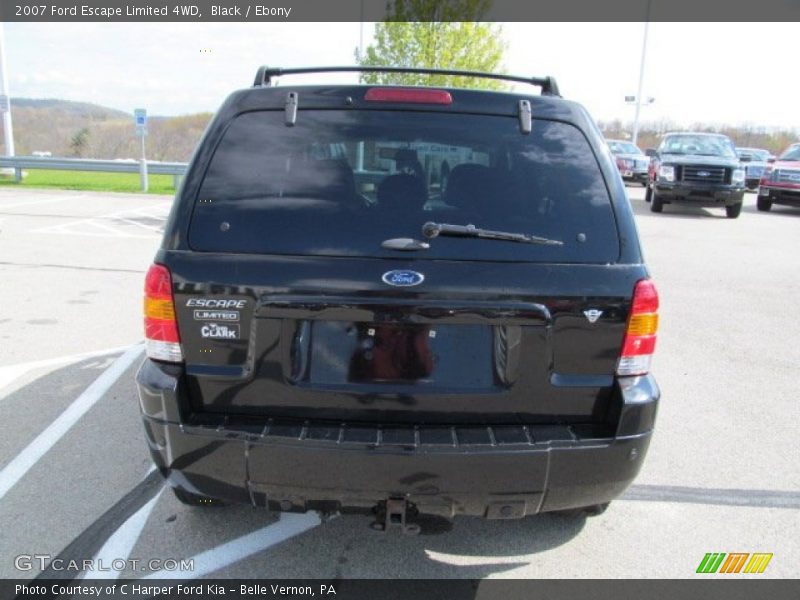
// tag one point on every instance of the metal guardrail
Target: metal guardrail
(176, 169)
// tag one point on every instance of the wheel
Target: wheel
(648, 195)
(656, 203)
(191, 499)
(763, 204)
(733, 210)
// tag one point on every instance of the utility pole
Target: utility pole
(5, 104)
(360, 146)
(140, 121)
(641, 75)
(361, 33)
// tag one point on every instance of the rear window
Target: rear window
(339, 183)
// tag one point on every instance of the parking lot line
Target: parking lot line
(288, 526)
(108, 225)
(122, 541)
(9, 373)
(4, 207)
(26, 459)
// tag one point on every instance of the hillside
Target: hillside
(82, 129)
(78, 109)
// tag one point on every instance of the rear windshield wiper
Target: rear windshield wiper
(432, 230)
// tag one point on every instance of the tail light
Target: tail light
(640, 336)
(624, 164)
(162, 341)
(411, 95)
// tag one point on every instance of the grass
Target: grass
(91, 180)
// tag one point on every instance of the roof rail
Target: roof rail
(265, 74)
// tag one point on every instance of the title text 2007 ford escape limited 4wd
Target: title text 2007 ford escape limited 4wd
(400, 299)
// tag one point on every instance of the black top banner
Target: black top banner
(378, 10)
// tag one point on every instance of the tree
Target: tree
(436, 34)
(79, 142)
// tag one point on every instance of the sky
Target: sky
(711, 73)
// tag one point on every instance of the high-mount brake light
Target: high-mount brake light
(408, 95)
(162, 341)
(640, 335)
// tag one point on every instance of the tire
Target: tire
(656, 203)
(648, 195)
(191, 499)
(763, 204)
(733, 210)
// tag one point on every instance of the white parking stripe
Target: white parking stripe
(22, 463)
(111, 224)
(148, 227)
(36, 202)
(9, 373)
(120, 544)
(289, 525)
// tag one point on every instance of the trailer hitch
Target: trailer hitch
(392, 514)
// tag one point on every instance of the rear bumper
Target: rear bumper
(700, 195)
(496, 472)
(636, 176)
(779, 195)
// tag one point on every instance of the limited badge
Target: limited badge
(216, 315)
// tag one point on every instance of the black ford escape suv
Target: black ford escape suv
(697, 168)
(400, 299)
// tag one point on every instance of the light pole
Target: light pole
(641, 75)
(5, 104)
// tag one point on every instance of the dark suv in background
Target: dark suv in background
(697, 168)
(400, 299)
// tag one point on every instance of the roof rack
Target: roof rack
(265, 74)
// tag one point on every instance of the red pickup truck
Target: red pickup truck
(780, 183)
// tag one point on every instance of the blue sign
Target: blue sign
(140, 120)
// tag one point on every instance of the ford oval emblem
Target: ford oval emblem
(403, 278)
(703, 173)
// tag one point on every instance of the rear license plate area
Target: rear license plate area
(435, 356)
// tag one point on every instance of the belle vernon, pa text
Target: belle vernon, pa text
(325, 590)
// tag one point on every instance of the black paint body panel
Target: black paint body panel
(310, 383)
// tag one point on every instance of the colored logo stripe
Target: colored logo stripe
(758, 562)
(711, 562)
(716, 561)
(734, 562)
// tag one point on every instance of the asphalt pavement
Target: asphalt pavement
(721, 474)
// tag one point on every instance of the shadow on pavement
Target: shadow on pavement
(777, 209)
(675, 211)
(346, 547)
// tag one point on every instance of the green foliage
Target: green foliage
(100, 182)
(436, 34)
(79, 142)
(776, 140)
